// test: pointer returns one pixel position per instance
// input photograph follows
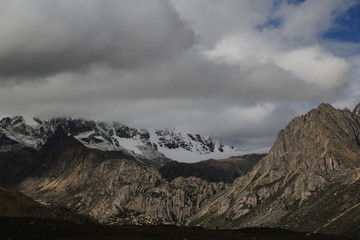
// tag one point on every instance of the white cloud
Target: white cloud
(214, 20)
(214, 67)
(314, 65)
(350, 94)
(307, 21)
(311, 64)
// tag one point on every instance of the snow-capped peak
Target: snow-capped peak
(144, 145)
(187, 147)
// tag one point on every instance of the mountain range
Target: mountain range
(153, 146)
(307, 182)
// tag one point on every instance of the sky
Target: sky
(237, 70)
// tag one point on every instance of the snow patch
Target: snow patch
(130, 144)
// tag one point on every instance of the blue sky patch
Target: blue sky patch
(276, 22)
(347, 27)
(295, 2)
(271, 23)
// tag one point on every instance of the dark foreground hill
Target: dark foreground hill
(35, 229)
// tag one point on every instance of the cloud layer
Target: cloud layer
(235, 70)
(41, 38)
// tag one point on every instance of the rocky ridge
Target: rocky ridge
(314, 159)
(154, 147)
(188, 147)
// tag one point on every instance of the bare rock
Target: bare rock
(314, 153)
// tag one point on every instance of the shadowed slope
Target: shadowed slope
(16, 161)
(225, 170)
(16, 204)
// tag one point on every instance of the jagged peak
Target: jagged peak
(60, 138)
(60, 133)
(15, 120)
(71, 119)
(323, 111)
(330, 130)
(324, 107)
(37, 120)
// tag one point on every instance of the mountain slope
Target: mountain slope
(16, 204)
(357, 109)
(112, 186)
(94, 168)
(225, 170)
(312, 159)
(16, 160)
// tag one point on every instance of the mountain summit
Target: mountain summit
(309, 181)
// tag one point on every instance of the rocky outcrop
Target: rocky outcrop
(225, 170)
(315, 161)
(113, 187)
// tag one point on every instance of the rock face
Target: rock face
(307, 182)
(357, 109)
(113, 187)
(225, 170)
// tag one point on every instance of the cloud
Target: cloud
(41, 38)
(235, 70)
(308, 20)
(309, 67)
(349, 95)
(214, 20)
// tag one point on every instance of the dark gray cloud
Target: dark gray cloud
(202, 66)
(42, 38)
